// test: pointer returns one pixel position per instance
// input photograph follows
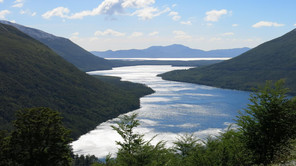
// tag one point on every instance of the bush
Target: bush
(268, 124)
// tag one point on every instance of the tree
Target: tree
(268, 124)
(40, 139)
(185, 144)
(134, 150)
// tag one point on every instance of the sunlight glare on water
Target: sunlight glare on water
(174, 109)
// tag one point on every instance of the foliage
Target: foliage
(268, 124)
(226, 149)
(39, 138)
(134, 150)
(273, 60)
(32, 75)
(185, 144)
(88, 160)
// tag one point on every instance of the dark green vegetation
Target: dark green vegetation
(71, 52)
(272, 60)
(32, 75)
(265, 135)
(39, 138)
(268, 124)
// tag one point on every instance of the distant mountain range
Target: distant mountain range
(87, 61)
(32, 75)
(273, 60)
(171, 51)
(70, 51)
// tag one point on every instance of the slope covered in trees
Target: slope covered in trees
(71, 52)
(32, 75)
(272, 60)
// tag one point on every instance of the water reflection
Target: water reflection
(174, 109)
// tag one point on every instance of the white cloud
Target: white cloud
(18, 4)
(181, 35)
(153, 33)
(175, 15)
(227, 34)
(149, 12)
(137, 3)
(295, 25)
(234, 25)
(144, 10)
(75, 34)
(136, 34)
(215, 39)
(109, 32)
(174, 5)
(1, 1)
(3, 13)
(22, 12)
(214, 15)
(266, 24)
(108, 7)
(186, 22)
(59, 11)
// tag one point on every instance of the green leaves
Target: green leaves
(268, 124)
(39, 138)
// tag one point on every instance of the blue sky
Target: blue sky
(99, 25)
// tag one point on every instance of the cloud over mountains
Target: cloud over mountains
(142, 8)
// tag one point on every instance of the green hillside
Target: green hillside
(32, 75)
(70, 51)
(272, 60)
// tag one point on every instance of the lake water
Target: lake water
(174, 109)
(167, 59)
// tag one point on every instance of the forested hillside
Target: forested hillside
(272, 60)
(32, 75)
(70, 51)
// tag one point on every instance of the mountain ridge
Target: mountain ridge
(170, 51)
(64, 47)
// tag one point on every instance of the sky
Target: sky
(100, 25)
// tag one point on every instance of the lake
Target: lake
(174, 109)
(167, 59)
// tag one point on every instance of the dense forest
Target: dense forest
(32, 75)
(272, 60)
